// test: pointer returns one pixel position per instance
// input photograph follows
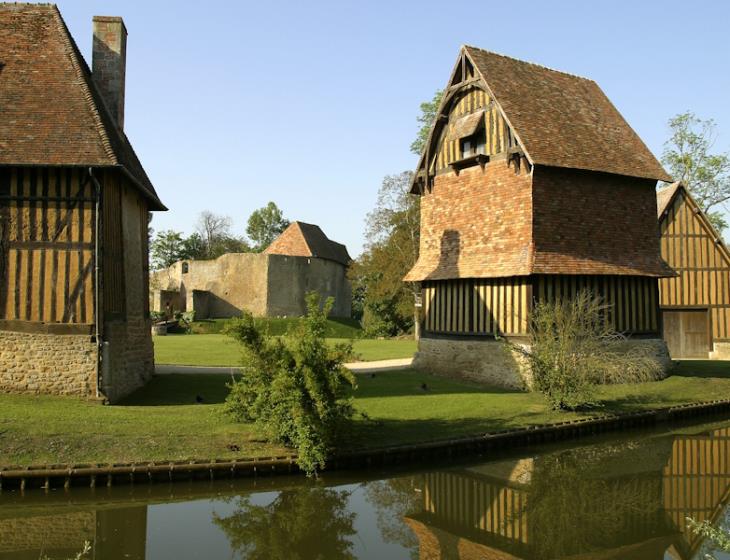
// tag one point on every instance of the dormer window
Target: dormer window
(473, 145)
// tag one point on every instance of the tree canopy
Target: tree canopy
(689, 158)
(426, 120)
(265, 225)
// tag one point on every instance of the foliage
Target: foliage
(573, 348)
(719, 537)
(381, 298)
(393, 500)
(426, 120)
(214, 237)
(157, 316)
(293, 386)
(688, 156)
(166, 248)
(265, 225)
(298, 524)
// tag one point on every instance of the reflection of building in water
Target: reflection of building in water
(33, 533)
(588, 503)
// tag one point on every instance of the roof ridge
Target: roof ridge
(494, 53)
(75, 57)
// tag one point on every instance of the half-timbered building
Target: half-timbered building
(532, 187)
(695, 304)
(74, 204)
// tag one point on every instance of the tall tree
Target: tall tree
(392, 238)
(265, 225)
(689, 158)
(167, 248)
(426, 120)
(212, 228)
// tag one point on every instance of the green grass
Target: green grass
(278, 326)
(161, 421)
(220, 350)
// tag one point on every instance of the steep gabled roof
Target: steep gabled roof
(52, 113)
(559, 119)
(308, 240)
(665, 198)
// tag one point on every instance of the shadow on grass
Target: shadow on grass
(411, 382)
(389, 432)
(181, 389)
(702, 368)
(631, 403)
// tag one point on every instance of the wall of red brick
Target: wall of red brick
(594, 223)
(476, 224)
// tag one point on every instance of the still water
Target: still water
(624, 496)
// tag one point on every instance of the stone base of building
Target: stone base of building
(720, 351)
(127, 358)
(482, 360)
(47, 363)
(493, 362)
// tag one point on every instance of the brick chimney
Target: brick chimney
(109, 62)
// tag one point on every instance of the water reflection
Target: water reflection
(620, 498)
(297, 524)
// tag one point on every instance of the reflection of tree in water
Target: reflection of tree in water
(393, 500)
(308, 523)
(575, 506)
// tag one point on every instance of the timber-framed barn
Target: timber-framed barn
(695, 304)
(532, 186)
(74, 207)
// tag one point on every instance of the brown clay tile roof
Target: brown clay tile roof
(665, 195)
(308, 240)
(564, 120)
(52, 114)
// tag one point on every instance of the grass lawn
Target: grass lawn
(161, 421)
(220, 350)
(277, 326)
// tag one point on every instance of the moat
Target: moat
(622, 496)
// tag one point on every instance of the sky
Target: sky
(310, 104)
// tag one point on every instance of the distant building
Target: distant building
(695, 304)
(532, 187)
(269, 284)
(74, 204)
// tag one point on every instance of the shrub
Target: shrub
(718, 537)
(293, 387)
(157, 316)
(573, 348)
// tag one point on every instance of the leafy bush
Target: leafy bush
(157, 316)
(573, 348)
(718, 537)
(293, 387)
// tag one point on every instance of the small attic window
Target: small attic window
(185, 268)
(473, 145)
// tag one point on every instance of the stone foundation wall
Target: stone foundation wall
(47, 363)
(482, 360)
(493, 362)
(130, 356)
(720, 351)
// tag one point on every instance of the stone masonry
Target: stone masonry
(47, 363)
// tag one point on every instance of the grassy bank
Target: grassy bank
(220, 350)
(162, 420)
(278, 326)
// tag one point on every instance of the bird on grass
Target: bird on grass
(198, 399)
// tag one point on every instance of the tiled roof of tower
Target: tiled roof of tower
(308, 240)
(52, 113)
(564, 120)
(664, 196)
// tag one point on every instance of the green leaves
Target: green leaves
(688, 158)
(293, 387)
(265, 225)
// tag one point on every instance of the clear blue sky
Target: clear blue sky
(309, 104)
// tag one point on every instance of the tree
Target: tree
(167, 248)
(212, 228)
(294, 388)
(688, 156)
(194, 247)
(392, 238)
(265, 225)
(426, 120)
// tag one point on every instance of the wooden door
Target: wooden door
(686, 333)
